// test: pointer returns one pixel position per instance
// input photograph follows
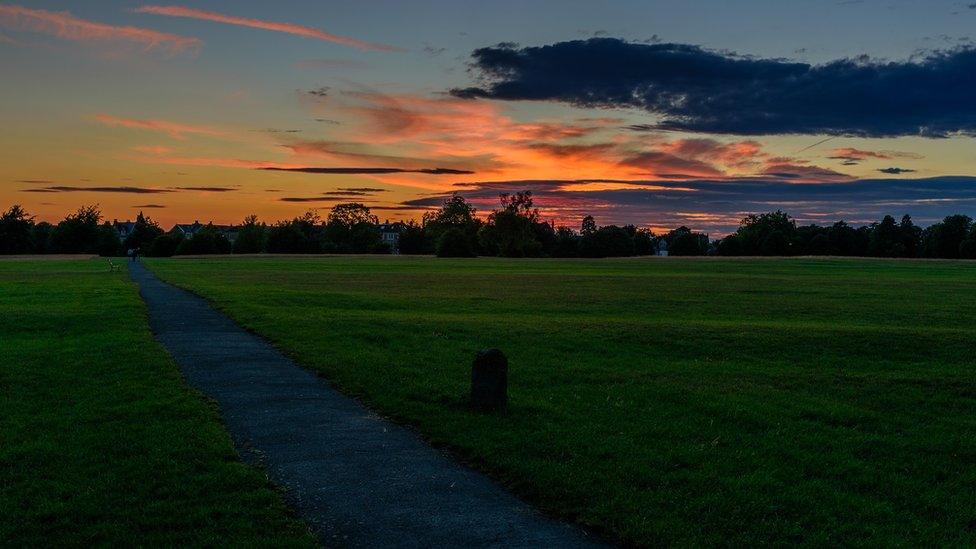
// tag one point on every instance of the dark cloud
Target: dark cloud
(352, 171)
(35, 181)
(348, 192)
(321, 92)
(150, 206)
(895, 171)
(206, 189)
(130, 190)
(308, 199)
(694, 89)
(433, 51)
(276, 130)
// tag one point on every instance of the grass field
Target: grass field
(662, 401)
(101, 442)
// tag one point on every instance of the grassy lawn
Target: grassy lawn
(669, 401)
(101, 442)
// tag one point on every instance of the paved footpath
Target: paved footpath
(355, 478)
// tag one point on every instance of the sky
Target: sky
(653, 113)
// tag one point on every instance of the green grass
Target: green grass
(101, 442)
(682, 402)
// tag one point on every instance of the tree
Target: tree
(588, 226)
(454, 243)
(107, 241)
(820, 245)
(455, 213)
(16, 227)
(144, 231)
(775, 244)
(351, 228)
(206, 241)
(509, 231)
(164, 245)
(252, 237)
(608, 241)
(644, 241)
(78, 233)
(684, 242)
(944, 239)
(911, 236)
(846, 240)
(729, 246)
(413, 241)
(301, 235)
(811, 240)
(545, 234)
(41, 237)
(754, 234)
(886, 239)
(351, 214)
(567, 243)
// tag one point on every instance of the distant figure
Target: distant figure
(131, 252)
(135, 253)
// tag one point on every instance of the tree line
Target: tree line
(514, 229)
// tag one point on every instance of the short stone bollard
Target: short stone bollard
(489, 381)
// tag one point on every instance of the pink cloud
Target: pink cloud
(856, 154)
(175, 130)
(158, 150)
(796, 172)
(67, 27)
(289, 28)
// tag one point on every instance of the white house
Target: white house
(390, 234)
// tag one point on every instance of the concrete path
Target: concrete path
(355, 478)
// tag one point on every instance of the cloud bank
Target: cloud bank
(693, 89)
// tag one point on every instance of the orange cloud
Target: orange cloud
(65, 26)
(289, 28)
(480, 136)
(175, 130)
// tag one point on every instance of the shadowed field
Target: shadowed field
(683, 402)
(101, 442)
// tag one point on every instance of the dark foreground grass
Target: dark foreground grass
(687, 402)
(101, 443)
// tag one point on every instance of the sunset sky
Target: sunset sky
(655, 113)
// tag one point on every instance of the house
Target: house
(662, 247)
(390, 234)
(187, 230)
(124, 228)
